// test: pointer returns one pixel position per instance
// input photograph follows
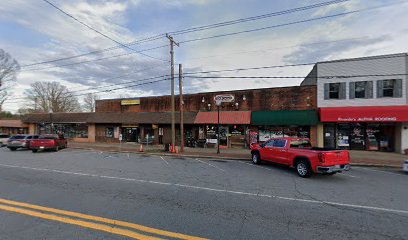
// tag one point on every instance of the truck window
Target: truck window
(269, 143)
(300, 144)
(279, 143)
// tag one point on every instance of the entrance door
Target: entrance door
(130, 134)
(357, 137)
(329, 136)
(223, 136)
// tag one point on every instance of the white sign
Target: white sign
(224, 98)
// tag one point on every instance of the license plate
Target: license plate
(337, 166)
(42, 147)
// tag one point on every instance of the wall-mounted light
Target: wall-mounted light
(236, 105)
(209, 106)
(203, 100)
(243, 98)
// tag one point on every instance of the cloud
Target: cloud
(330, 51)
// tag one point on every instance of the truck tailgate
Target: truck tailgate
(336, 157)
(42, 143)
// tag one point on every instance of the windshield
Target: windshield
(3, 136)
(18, 137)
(300, 144)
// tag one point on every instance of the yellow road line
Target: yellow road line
(103, 220)
(95, 226)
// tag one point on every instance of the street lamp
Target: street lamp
(52, 124)
(218, 103)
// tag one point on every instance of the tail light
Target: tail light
(322, 157)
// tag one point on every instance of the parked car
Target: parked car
(405, 166)
(3, 139)
(20, 141)
(48, 142)
(299, 153)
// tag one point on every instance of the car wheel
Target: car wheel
(34, 150)
(303, 169)
(256, 159)
(13, 149)
(56, 149)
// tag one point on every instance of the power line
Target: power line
(299, 77)
(188, 30)
(269, 27)
(234, 77)
(97, 31)
(94, 52)
(94, 60)
(217, 36)
(269, 15)
(271, 49)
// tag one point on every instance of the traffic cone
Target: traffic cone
(141, 148)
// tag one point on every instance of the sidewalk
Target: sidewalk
(362, 158)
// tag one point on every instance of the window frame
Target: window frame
(338, 91)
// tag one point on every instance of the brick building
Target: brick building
(254, 115)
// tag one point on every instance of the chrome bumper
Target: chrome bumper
(332, 169)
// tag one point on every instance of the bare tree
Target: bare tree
(9, 69)
(89, 102)
(51, 97)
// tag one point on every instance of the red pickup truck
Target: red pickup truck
(299, 153)
(48, 142)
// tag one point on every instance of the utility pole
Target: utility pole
(181, 107)
(173, 117)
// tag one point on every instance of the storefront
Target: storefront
(286, 123)
(363, 128)
(233, 126)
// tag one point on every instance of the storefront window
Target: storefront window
(360, 136)
(109, 132)
(74, 130)
(266, 132)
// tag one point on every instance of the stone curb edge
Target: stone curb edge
(218, 157)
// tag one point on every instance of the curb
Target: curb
(219, 157)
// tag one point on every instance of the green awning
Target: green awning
(285, 117)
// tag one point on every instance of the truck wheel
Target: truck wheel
(303, 169)
(34, 150)
(256, 159)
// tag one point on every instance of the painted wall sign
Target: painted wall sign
(130, 102)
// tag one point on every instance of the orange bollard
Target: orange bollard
(141, 148)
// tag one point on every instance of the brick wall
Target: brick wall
(284, 98)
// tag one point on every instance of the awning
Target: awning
(285, 117)
(364, 114)
(226, 117)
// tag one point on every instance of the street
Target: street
(142, 197)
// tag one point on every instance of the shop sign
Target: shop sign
(130, 102)
(368, 119)
(224, 98)
(155, 126)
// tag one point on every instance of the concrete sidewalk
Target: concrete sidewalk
(358, 158)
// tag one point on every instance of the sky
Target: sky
(34, 32)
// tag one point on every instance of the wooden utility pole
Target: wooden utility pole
(173, 117)
(181, 107)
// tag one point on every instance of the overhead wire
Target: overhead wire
(201, 28)
(97, 31)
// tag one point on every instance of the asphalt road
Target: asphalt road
(196, 197)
